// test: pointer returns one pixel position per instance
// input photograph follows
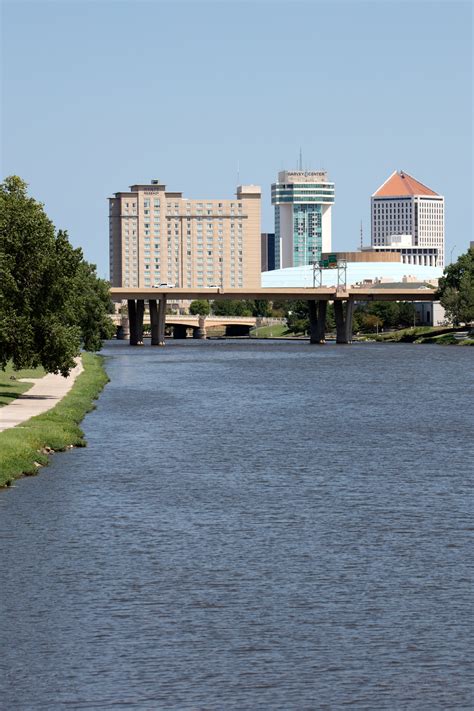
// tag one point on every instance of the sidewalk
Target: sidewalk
(45, 394)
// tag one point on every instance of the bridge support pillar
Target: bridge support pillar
(123, 330)
(161, 321)
(155, 336)
(200, 331)
(132, 318)
(140, 313)
(317, 321)
(344, 320)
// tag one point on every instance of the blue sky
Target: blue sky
(99, 95)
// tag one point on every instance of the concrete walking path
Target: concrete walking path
(45, 394)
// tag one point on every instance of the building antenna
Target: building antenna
(361, 236)
(238, 172)
(301, 160)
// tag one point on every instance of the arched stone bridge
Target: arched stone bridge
(234, 325)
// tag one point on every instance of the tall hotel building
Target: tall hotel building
(303, 202)
(408, 217)
(159, 237)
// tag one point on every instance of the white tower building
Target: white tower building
(303, 202)
(408, 217)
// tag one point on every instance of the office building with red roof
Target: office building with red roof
(408, 217)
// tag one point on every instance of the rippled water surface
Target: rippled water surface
(252, 526)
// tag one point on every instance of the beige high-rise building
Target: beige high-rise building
(158, 238)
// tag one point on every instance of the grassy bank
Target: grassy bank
(276, 330)
(25, 447)
(10, 387)
(422, 334)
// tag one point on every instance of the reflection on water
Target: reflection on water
(253, 526)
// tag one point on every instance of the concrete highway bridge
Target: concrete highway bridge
(317, 298)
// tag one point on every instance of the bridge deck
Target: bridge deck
(278, 294)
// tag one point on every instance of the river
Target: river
(253, 525)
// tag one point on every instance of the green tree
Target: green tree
(231, 308)
(386, 311)
(456, 289)
(199, 307)
(280, 309)
(370, 323)
(406, 314)
(91, 307)
(297, 316)
(46, 305)
(244, 308)
(390, 314)
(330, 318)
(357, 317)
(262, 307)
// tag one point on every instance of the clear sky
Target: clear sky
(99, 95)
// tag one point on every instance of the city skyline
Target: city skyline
(99, 95)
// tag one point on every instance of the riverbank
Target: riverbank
(424, 334)
(420, 334)
(25, 448)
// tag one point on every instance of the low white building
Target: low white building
(357, 273)
(430, 314)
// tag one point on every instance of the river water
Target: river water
(253, 525)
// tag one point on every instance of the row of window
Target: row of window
(200, 283)
(175, 205)
(199, 219)
(423, 207)
(301, 188)
(298, 199)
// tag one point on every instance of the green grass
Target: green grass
(22, 447)
(410, 335)
(447, 339)
(273, 331)
(441, 335)
(10, 388)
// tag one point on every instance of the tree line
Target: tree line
(52, 302)
(243, 307)
(367, 317)
(456, 289)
